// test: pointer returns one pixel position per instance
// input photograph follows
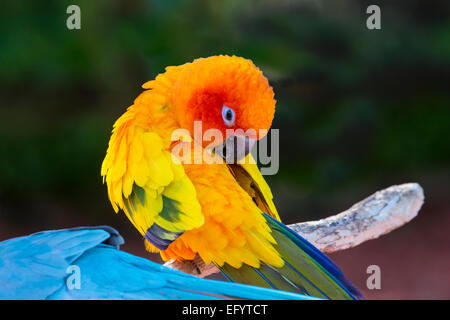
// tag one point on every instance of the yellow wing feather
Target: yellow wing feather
(145, 181)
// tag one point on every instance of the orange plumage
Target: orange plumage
(221, 221)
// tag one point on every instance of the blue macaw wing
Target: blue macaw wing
(38, 267)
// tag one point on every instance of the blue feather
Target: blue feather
(35, 267)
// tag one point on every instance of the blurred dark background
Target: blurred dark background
(358, 110)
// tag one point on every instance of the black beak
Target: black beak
(235, 148)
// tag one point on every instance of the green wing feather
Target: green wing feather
(306, 269)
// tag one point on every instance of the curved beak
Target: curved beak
(235, 148)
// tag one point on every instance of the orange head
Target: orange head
(224, 93)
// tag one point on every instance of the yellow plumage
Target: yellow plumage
(213, 210)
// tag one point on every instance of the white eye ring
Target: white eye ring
(228, 116)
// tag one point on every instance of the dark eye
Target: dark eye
(228, 116)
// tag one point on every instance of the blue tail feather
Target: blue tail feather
(320, 257)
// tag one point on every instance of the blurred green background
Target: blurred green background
(358, 110)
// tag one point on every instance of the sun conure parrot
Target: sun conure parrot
(222, 212)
